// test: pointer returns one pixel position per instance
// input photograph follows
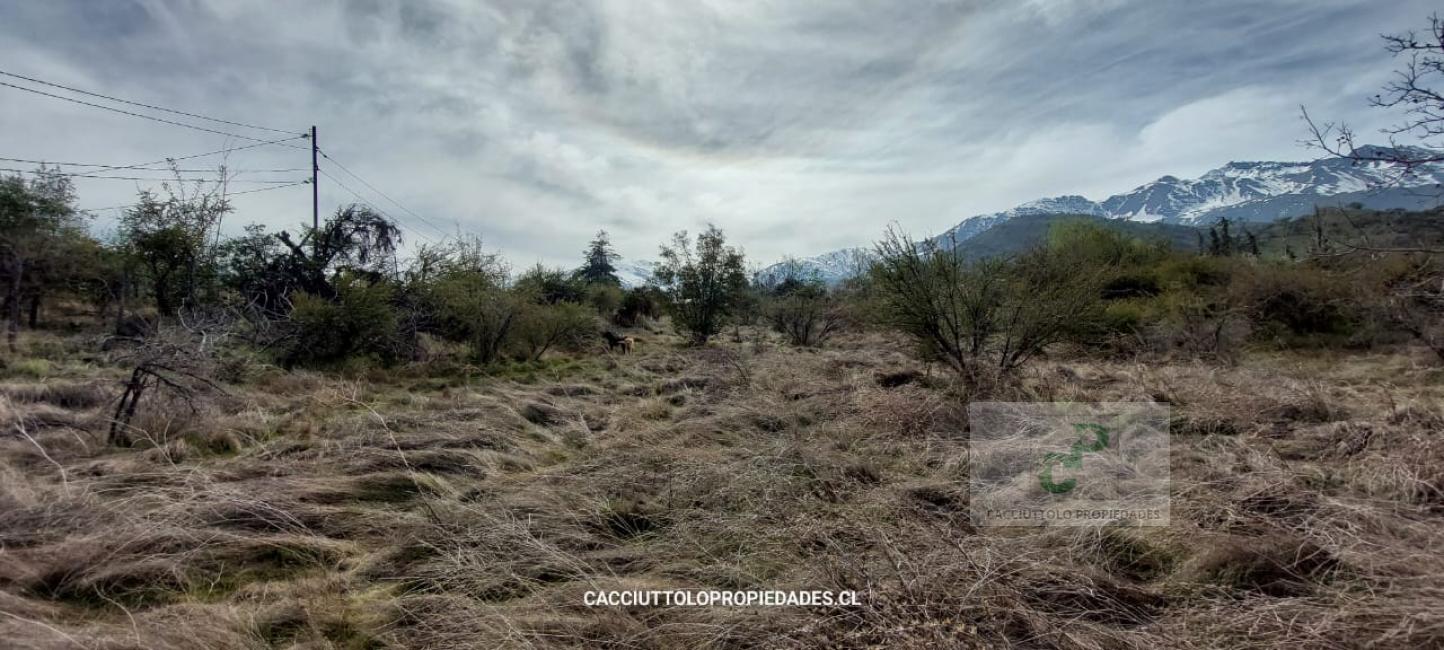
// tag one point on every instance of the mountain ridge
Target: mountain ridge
(1249, 191)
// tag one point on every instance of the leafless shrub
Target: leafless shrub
(806, 314)
(176, 361)
(987, 318)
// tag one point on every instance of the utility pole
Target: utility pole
(315, 189)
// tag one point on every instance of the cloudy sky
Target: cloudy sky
(798, 126)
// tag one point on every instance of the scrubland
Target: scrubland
(432, 507)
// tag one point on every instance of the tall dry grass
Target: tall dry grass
(393, 511)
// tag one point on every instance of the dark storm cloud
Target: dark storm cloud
(797, 126)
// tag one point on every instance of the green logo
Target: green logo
(1073, 459)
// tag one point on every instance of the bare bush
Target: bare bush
(1415, 304)
(985, 318)
(173, 361)
(806, 314)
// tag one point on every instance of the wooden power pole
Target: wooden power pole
(315, 189)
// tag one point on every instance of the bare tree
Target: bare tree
(1415, 90)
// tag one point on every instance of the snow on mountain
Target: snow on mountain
(634, 273)
(1071, 204)
(1251, 191)
(830, 268)
(1201, 200)
(1204, 199)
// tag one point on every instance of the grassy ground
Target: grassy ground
(404, 509)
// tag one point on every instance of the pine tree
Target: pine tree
(599, 267)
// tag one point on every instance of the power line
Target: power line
(141, 178)
(383, 194)
(227, 195)
(367, 202)
(152, 107)
(140, 115)
(210, 153)
(147, 169)
(364, 200)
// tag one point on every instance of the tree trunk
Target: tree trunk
(34, 318)
(163, 302)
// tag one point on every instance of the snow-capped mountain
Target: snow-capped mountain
(831, 268)
(1070, 204)
(634, 273)
(1246, 191)
(1220, 192)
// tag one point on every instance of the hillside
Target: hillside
(1021, 233)
(1366, 228)
(1255, 192)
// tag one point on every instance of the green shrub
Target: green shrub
(361, 321)
(1095, 245)
(703, 285)
(638, 305)
(472, 308)
(540, 328)
(1195, 271)
(550, 286)
(1127, 316)
(604, 298)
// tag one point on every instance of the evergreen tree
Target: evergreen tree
(599, 267)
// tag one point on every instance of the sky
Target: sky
(796, 126)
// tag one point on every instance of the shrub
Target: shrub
(804, 313)
(1207, 324)
(1124, 320)
(702, 285)
(1299, 305)
(988, 317)
(360, 321)
(1132, 284)
(460, 295)
(604, 298)
(540, 328)
(1193, 272)
(1409, 296)
(550, 286)
(1096, 245)
(638, 304)
(473, 308)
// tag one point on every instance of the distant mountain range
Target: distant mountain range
(1242, 191)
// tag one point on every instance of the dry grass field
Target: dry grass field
(411, 508)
